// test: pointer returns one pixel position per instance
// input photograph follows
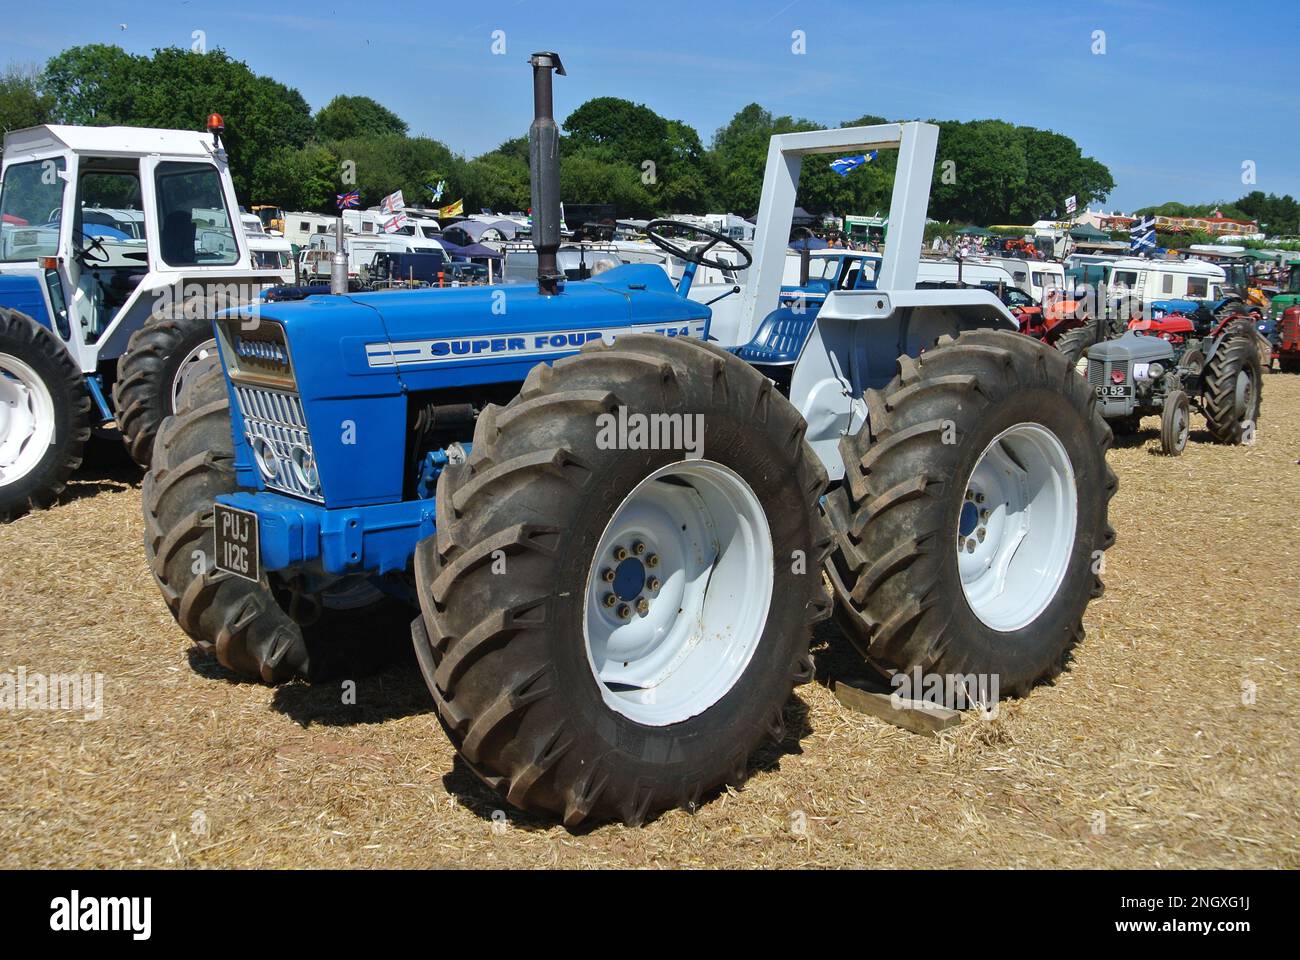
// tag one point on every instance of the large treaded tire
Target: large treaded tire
(894, 571)
(147, 374)
(505, 656)
(1074, 343)
(34, 345)
(239, 621)
(1237, 354)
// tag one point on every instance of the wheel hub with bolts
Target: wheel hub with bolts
(1016, 526)
(678, 592)
(26, 418)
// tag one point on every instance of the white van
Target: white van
(1166, 279)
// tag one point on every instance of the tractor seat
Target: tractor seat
(178, 235)
(779, 338)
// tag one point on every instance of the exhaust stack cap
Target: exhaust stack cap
(544, 168)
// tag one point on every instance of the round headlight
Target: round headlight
(1155, 371)
(265, 457)
(304, 467)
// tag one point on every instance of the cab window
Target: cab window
(195, 225)
(31, 201)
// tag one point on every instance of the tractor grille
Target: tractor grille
(277, 417)
(1096, 373)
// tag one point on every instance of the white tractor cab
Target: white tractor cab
(1148, 280)
(117, 245)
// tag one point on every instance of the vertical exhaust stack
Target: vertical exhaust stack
(544, 164)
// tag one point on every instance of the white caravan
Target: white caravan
(1166, 279)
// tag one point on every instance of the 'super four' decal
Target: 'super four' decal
(532, 344)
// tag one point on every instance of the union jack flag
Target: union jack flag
(350, 199)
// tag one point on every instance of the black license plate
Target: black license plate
(1114, 392)
(235, 538)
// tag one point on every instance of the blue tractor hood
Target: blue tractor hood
(376, 343)
(356, 359)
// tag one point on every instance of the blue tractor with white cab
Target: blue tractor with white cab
(612, 506)
(117, 247)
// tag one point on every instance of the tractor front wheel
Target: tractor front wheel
(612, 627)
(160, 358)
(973, 514)
(44, 415)
(264, 630)
(1175, 421)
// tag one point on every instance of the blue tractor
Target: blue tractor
(613, 529)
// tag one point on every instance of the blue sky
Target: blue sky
(1185, 92)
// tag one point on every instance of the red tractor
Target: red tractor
(1286, 346)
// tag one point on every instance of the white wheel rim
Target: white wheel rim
(193, 365)
(26, 419)
(1015, 532)
(667, 651)
(1244, 396)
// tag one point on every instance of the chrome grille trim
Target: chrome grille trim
(278, 418)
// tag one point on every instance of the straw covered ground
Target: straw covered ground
(1173, 740)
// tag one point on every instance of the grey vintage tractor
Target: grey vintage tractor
(1168, 366)
(612, 503)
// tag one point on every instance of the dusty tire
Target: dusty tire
(1232, 386)
(242, 623)
(1175, 424)
(508, 658)
(1073, 343)
(151, 371)
(44, 416)
(900, 567)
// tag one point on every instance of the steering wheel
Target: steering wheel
(95, 244)
(696, 254)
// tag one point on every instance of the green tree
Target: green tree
(395, 162)
(346, 117)
(496, 182)
(23, 100)
(304, 178)
(94, 85)
(177, 88)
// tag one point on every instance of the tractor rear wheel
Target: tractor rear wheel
(973, 513)
(609, 630)
(1073, 344)
(44, 415)
(1232, 386)
(159, 358)
(248, 626)
(1175, 424)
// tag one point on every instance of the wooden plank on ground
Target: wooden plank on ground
(875, 700)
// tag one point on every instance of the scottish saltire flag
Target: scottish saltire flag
(436, 191)
(846, 165)
(393, 203)
(350, 199)
(1142, 235)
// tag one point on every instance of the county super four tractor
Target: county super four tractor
(611, 621)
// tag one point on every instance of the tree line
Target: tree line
(613, 151)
